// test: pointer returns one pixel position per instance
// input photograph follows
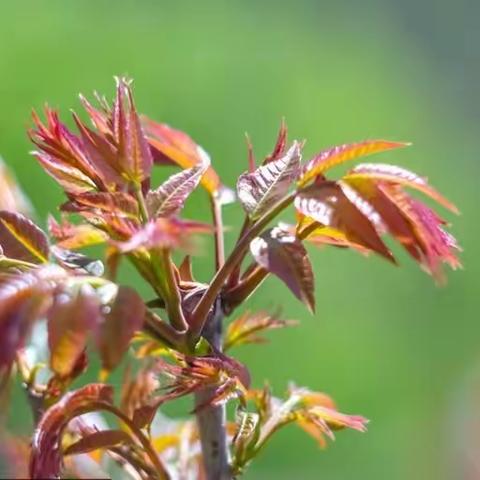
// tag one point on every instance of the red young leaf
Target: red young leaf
(343, 153)
(336, 205)
(428, 242)
(280, 145)
(63, 156)
(70, 178)
(263, 188)
(46, 454)
(170, 197)
(164, 233)
(20, 238)
(98, 440)
(125, 317)
(400, 176)
(70, 321)
(283, 254)
(134, 154)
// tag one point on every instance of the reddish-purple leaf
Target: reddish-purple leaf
(98, 440)
(134, 154)
(164, 233)
(283, 254)
(170, 197)
(379, 172)
(70, 178)
(260, 190)
(46, 454)
(20, 238)
(70, 321)
(336, 155)
(125, 317)
(338, 206)
(280, 145)
(115, 203)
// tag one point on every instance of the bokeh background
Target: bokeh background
(386, 342)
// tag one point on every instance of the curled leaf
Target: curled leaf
(261, 189)
(46, 454)
(283, 254)
(21, 239)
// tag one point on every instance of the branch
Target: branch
(200, 313)
(218, 226)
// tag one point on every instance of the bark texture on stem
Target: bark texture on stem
(212, 420)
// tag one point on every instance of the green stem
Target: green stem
(163, 267)
(219, 239)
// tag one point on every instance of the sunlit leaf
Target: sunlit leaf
(70, 236)
(282, 254)
(172, 146)
(170, 197)
(331, 157)
(20, 238)
(70, 322)
(125, 317)
(337, 206)
(400, 176)
(46, 453)
(260, 190)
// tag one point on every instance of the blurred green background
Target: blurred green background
(385, 342)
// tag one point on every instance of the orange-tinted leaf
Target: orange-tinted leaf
(328, 204)
(70, 321)
(260, 190)
(333, 156)
(170, 197)
(20, 238)
(11, 196)
(175, 147)
(98, 440)
(46, 454)
(282, 254)
(71, 237)
(248, 327)
(125, 317)
(399, 176)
